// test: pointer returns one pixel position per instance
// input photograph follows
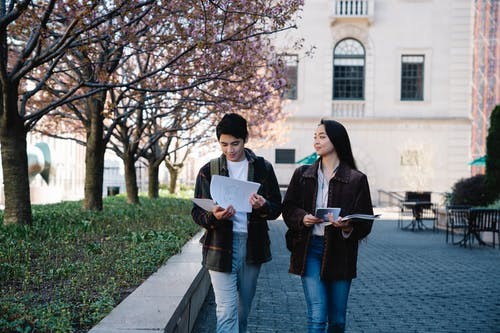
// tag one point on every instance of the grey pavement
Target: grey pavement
(407, 282)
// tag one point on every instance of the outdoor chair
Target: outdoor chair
(421, 212)
(428, 213)
(406, 209)
(483, 220)
(457, 218)
(405, 213)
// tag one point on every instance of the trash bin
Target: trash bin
(113, 190)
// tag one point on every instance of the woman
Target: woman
(325, 254)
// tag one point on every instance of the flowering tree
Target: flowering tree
(75, 55)
(34, 39)
(198, 60)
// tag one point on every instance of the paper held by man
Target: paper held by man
(227, 191)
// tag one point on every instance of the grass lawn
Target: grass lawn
(71, 267)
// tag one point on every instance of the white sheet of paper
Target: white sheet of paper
(228, 191)
(206, 204)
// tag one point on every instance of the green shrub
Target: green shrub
(493, 155)
(470, 191)
(494, 205)
(71, 267)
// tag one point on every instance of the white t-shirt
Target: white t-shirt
(239, 170)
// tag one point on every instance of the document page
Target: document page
(228, 191)
(206, 204)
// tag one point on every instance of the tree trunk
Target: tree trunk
(154, 184)
(94, 154)
(174, 175)
(173, 171)
(14, 160)
(131, 179)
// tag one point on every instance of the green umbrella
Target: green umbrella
(309, 159)
(480, 161)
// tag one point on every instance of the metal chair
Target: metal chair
(428, 212)
(405, 213)
(407, 207)
(483, 220)
(457, 218)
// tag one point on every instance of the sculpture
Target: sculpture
(39, 161)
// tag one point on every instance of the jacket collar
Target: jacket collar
(250, 155)
(342, 175)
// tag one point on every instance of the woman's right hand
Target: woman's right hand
(310, 220)
(223, 214)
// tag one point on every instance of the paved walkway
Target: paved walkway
(407, 282)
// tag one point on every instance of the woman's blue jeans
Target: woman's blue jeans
(234, 291)
(326, 301)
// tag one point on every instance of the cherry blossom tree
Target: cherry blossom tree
(34, 39)
(211, 58)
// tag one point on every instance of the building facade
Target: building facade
(398, 75)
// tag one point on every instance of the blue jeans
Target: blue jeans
(326, 301)
(234, 291)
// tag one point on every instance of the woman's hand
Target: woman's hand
(223, 214)
(310, 220)
(257, 201)
(344, 225)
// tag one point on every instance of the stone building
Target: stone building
(398, 74)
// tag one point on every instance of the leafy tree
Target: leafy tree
(195, 61)
(493, 155)
(35, 36)
(470, 191)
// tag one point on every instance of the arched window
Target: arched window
(348, 70)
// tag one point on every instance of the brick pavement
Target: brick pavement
(407, 282)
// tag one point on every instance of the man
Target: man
(236, 243)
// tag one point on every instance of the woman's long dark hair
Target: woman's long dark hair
(338, 136)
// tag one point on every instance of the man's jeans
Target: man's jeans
(234, 291)
(326, 301)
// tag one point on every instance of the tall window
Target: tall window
(412, 77)
(290, 63)
(348, 70)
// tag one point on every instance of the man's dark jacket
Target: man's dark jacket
(218, 238)
(349, 190)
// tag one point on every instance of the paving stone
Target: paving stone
(407, 282)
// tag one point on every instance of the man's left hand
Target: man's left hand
(257, 201)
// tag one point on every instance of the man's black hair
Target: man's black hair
(232, 124)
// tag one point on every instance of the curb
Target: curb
(168, 301)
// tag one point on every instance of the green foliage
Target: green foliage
(470, 191)
(494, 205)
(493, 155)
(71, 267)
(185, 191)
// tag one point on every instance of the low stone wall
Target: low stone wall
(168, 301)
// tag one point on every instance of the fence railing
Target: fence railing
(353, 8)
(390, 198)
(348, 109)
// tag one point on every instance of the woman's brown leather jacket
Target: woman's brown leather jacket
(349, 190)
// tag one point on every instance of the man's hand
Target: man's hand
(257, 201)
(223, 214)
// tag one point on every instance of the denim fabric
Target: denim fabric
(234, 291)
(326, 301)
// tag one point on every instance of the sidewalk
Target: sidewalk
(407, 282)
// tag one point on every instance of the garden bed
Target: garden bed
(71, 267)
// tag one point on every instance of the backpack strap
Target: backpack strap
(215, 166)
